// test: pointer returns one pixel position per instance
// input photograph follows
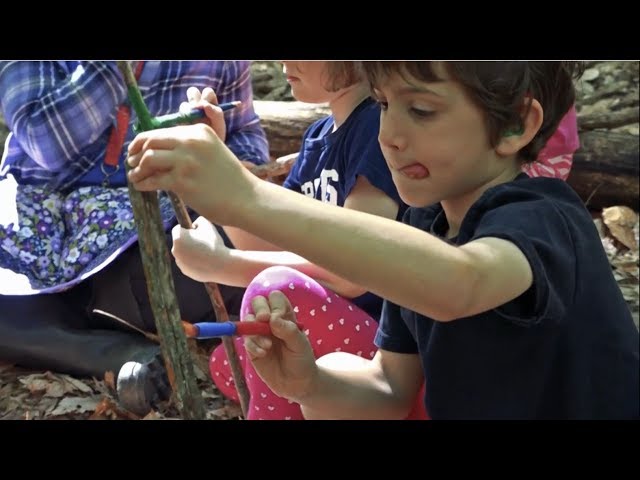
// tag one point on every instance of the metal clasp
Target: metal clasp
(107, 175)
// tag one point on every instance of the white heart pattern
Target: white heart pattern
(341, 321)
(358, 328)
(346, 341)
(328, 299)
(296, 309)
(313, 312)
(263, 395)
(324, 308)
(330, 326)
(291, 286)
(319, 341)
(266, 283)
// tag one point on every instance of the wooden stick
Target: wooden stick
(185, 222)
(164, 304)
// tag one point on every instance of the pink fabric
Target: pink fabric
(556, 158)
(331, 322)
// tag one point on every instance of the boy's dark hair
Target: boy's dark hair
(499, 89)
(342, 75)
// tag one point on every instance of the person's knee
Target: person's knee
(278, 275)
(294, 284)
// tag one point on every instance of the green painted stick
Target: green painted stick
(146, 123)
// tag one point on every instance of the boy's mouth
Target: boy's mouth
(415, 171)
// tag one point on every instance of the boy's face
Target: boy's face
(434, 140)
(308, 80)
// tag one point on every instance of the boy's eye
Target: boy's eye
(418, 112)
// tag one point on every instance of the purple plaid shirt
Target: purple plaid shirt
(61, 114)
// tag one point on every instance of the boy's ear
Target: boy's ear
(513, 141)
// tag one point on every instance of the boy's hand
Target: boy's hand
(193, 162)
(199, 251)
(284, 361)
(207, 101)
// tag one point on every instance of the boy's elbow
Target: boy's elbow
(352, 291)
(461, 300)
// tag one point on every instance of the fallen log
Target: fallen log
(610, 119)
(605, 169)
(604, 173)
(285, 122)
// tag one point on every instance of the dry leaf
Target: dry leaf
(153, 415)
(37, 383)
(75, 384)
(621, 222)
(75, 405)
(108, 409)
(110, 380)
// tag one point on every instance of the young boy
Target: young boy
(498, 288)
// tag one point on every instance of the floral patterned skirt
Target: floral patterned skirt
(50, 242)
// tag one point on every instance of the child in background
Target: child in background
(556, 158)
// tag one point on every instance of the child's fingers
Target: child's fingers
(185, 107)
(161, 139)
(280, 305)
(193, 94)
(256, 346)
(283, 321)
(261, 308)
(209, 95)
(150, 163)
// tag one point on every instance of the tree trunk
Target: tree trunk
(605, 169)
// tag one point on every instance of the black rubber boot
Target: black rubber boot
(143, 383)
(42, 332)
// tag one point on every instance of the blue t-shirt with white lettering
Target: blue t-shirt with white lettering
(567, 348)
(330, 162)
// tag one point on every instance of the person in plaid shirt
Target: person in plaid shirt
(66, 226)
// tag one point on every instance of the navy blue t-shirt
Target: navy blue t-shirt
(330, 162)
(566, 348)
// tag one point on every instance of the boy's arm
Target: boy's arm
(400, 263)
(351, 387)
(247, 264)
